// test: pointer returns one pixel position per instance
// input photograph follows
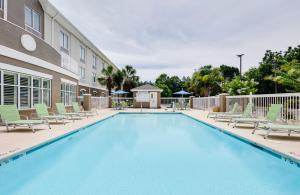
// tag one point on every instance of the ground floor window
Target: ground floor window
(68, 93)
(24, 90)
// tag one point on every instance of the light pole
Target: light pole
(240, 56)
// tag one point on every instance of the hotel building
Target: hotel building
(44, 58)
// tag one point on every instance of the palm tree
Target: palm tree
(118, 79)
(129, 77)
(107, 78)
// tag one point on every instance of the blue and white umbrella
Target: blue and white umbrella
(182, 93)
(119, 92)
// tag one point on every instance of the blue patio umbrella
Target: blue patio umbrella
(182, 93)
(119, 92)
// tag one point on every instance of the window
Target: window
(37, 91)
(32, 19)
(64, 40)
(82, 54)
(68, 93)
(82, 73)
(24, 90)
(10, 88)
(46, 92)
(94, 62)
(1, 4)
(94, 77)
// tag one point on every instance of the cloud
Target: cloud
(177, 36)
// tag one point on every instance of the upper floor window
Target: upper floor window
(32, 19)
(1, 4)
(94, 62)
(82, 73)
(64, 40)
(82, 53)
(94, 77)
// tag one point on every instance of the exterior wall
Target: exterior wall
(47, 49)
(10, 36)
(90, 90)
(56, 81)
(16, 15)
(145, 104)
(74, 52)
(158, 99)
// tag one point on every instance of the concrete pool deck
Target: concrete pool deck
(22, 139)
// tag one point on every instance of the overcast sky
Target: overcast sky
(179, 36)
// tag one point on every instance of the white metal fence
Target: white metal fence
(128, 100)
(97, 102)
(261, 103)
(205, 103)
(167, 102)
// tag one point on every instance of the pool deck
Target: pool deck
(20, 140)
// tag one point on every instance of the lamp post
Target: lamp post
(240, 56)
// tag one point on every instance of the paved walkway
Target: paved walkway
(17, 141)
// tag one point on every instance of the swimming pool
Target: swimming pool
(149, 154)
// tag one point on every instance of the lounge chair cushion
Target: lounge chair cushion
(280, 126)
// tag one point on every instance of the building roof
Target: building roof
(147, 87)
(54, 13)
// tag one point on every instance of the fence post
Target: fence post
(192, 102)
(87, 102)
(222, 102)
(109, 101)
(250, 98)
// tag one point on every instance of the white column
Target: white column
(5, 10)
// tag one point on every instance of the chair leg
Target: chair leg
(7, 129)
(229, 122)
(289, 132)
(48, 124)
(267, 134)
(255, 127)
(31, 127)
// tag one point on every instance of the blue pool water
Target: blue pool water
(149, 154)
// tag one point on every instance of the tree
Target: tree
(240, 87)
(207, 81)
(229, 72)
(166, 90)
(170, 84)
(130, 80)
(107, 78)
(288, 76)
(118, 79)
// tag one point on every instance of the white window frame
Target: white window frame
(94, 61)
(82, 53)
(18, 85)
(94, 77)
(64, 39)
(82, 73)
(32, 25)
(69, 95)
(1, 4)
